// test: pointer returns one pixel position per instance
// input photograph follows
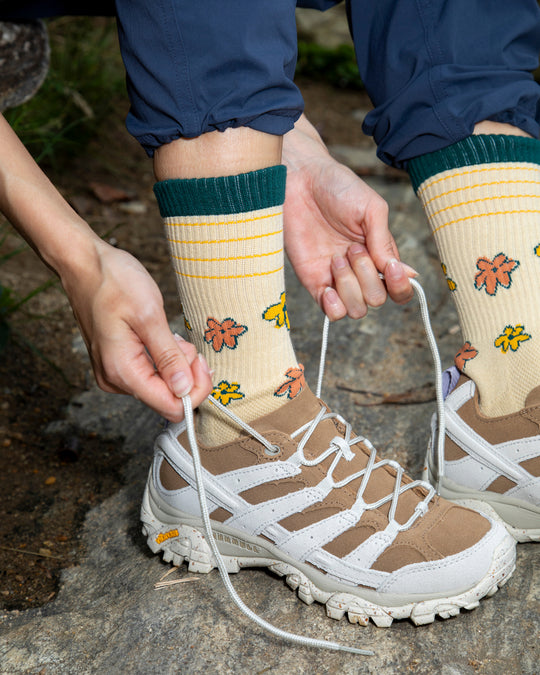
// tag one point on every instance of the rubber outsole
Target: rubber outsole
(185, 542)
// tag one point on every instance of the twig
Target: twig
(172, 582)
(422, 394)
(39, 555)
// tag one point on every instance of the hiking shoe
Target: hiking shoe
(299, 494)
(491, 464)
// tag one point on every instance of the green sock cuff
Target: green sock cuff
(224, 195)
(476, 149)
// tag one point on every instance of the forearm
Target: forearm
(37, 210)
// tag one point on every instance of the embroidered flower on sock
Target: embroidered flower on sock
(295, 383)
(451, 283)
(511, 338)
(537, 250)
(278, 313)
(187, 324)
(466, 353)
(494, 273)
(225, 392)
(225, 333)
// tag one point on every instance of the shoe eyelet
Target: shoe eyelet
(275, 451)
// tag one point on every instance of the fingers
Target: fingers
(358, 285)
(396, 277)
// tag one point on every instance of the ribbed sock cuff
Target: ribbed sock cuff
(224, 195)
(476, 149)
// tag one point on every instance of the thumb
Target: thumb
(170, 361)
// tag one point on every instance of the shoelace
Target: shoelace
(341, 450)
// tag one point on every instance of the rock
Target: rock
(24, 61)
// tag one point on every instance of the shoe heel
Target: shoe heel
(177, 542)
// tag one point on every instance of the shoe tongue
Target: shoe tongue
(292, 415)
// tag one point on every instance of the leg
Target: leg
(273, 489)
(468, 103)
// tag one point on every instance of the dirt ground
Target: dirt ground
(48, 482)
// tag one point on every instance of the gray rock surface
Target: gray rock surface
(24, 61)
(108, 618)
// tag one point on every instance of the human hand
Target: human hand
(336, 232)
(120, 313)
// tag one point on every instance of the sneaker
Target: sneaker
(300, 494)
(491, 464)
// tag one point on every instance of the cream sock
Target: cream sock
(482, 199)
(226, 243)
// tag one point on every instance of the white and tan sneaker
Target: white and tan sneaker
(491, 464)
(299, 494)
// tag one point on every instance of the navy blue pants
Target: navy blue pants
(433, 68)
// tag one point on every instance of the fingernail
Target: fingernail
(394, 269)
(331, 295)
(178, 338)
(410, 270)
(339, 262)
(180, 384)
(204, 364)
(356, 249)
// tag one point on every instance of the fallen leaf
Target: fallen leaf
(108, 194)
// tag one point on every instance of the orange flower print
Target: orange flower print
(466, 353)
(225, 392)
(225, 333)
(294, 384)
(511, 338)
(187, 324)
(494, 273)
(451, 283)
(278, 313)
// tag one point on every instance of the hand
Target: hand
(336, 232)
(120, 312)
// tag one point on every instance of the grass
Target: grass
(336, 66)
(84, 83)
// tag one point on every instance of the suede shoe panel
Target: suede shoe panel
(495, 430)
(501, 485)
(467, 528)
(532, 466)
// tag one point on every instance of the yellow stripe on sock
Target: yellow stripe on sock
(480, 185)
(483, 200)
(240, 257)
(234, 276)
(223, 241)
(459, 172)
(225, 222)
(483, 215)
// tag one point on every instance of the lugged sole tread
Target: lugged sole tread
(189, 545)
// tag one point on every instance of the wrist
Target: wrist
(303, 145)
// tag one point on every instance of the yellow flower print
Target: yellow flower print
(278, 313)
(187, 324)
(511, 338)
(537, 250)
(226, 392)
(451, 283)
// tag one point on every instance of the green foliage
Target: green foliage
(10, 302)
(85, 81)
(335, 66)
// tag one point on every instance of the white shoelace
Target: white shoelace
(341, 447)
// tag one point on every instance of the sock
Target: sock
(226, 244)
(482, 200)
